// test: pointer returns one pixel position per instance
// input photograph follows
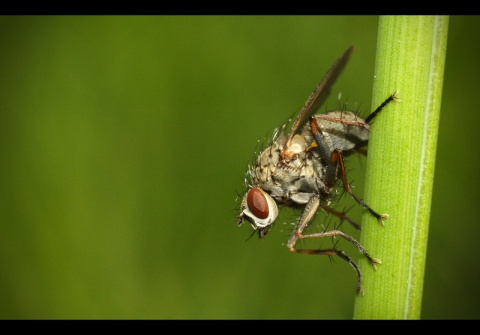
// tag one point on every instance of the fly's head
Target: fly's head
(257, 206)
(259, 209)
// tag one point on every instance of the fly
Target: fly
(299, 169)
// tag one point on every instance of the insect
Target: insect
(300, 169)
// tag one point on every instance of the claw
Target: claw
(383, 216)
(375, 261)
(394, 96)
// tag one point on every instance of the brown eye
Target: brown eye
(257, 203)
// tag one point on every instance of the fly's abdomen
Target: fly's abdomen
(342, 130)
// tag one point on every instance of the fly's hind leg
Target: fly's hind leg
(337, 161)
(360, 122)
(335, 166)
(305, 219)
(368, 120)
(392, 97)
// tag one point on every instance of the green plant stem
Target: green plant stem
(401, 160)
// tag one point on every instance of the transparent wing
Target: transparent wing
(319, 95)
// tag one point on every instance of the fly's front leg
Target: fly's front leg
(307, 216)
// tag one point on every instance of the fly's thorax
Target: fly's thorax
(266, 169)
(288, 180)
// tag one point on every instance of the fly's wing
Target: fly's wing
(319, 95)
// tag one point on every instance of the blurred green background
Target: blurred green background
(124, 141)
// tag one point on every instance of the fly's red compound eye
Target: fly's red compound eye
(259, 208)
(257, 203)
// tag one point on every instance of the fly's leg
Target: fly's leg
(340, 215)
(337, 161)
(305, 219)
(359, 123)
(392, 97)
(361, 151)
(369, 119)
(335, 166)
